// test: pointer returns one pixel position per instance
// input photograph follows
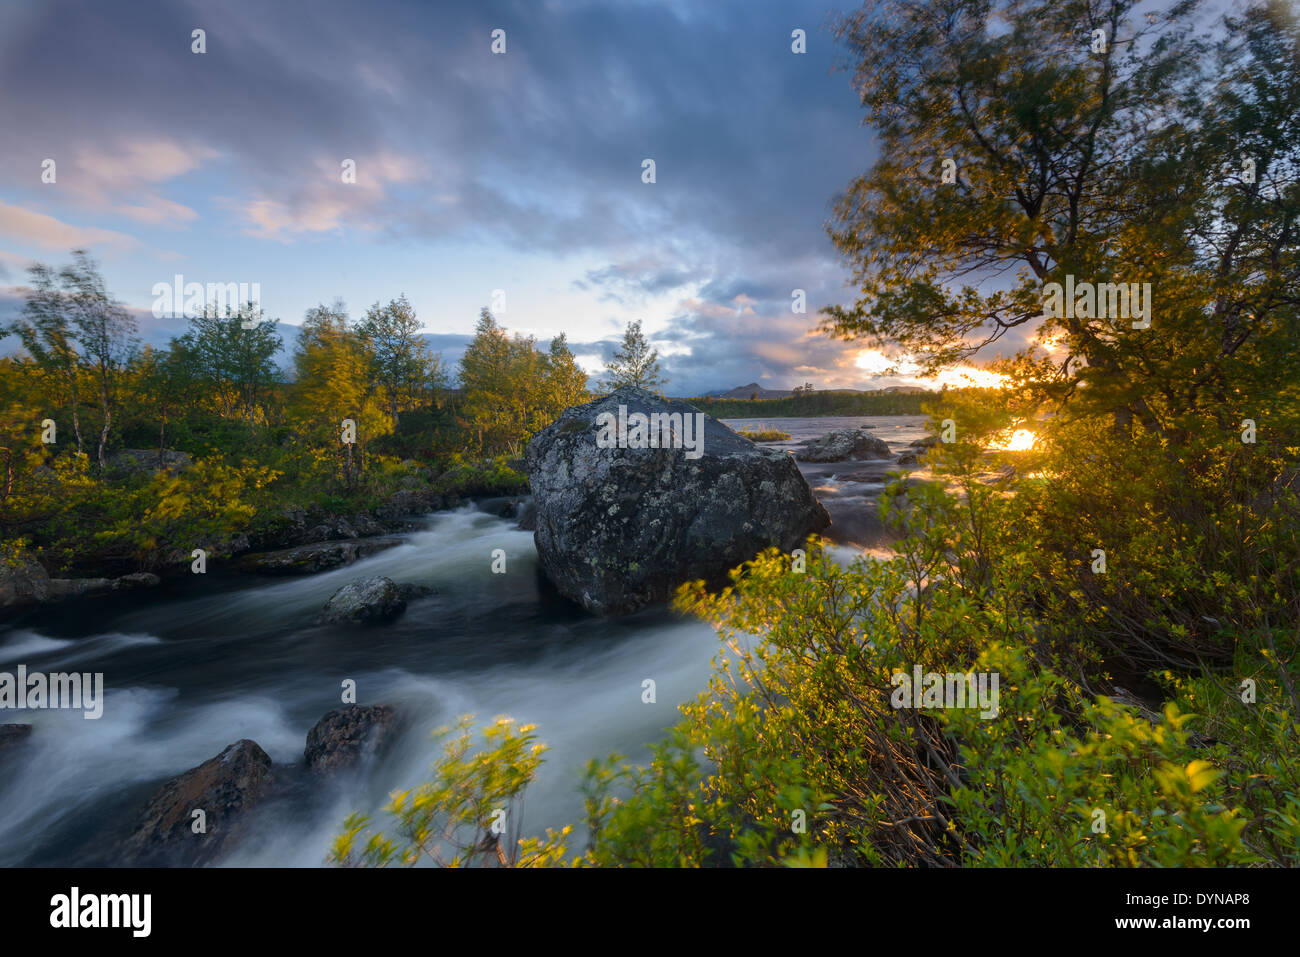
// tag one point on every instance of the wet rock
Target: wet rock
(620, 528)
(407, 502)
(180, 559)
(318, 557)
(136, 580)
(843, 445)
(347, 735)
(61, 588)
(23, 581)
(527, 516)
(909, 458)
(225, 788)
(410, 591)
(502, 506)
(364, 601)
(11, 736)
(929, 442)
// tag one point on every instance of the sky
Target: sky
(476, 173)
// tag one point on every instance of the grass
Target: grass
(764, 434)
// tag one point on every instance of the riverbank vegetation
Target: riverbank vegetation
(764, 433)
(120, 457)
(1132, 580)
(814, 404)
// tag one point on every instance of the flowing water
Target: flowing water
(208, 660)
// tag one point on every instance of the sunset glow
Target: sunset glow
(1020, 440)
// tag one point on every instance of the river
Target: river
(211, 659)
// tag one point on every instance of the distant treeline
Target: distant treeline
(367, 413)
(816, 403)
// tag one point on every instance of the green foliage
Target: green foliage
(634, 363)
(260, 446)
(764, 434)
(232, 355)
(80, 339)
(511, 390)
(1046, 133)
(483, 477)
(468, 814)
(334, 367)
(400, 361)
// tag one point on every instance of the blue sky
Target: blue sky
(474, 171)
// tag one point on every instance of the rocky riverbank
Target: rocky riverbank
(298, 541)
(202, 814)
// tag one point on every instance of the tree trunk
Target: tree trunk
(162, 434)
(76, 428)
(108, 416)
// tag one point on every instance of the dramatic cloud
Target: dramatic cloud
(47, 231)
(474, 171)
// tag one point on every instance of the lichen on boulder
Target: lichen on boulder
(618, 528)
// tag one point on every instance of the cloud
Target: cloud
(33, 227)
(325, 202)
(12, 265)
(533, 156)
(631, 282)
(118, 175)
(540, 146)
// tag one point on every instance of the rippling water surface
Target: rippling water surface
(209, 660)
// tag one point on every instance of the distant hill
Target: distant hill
(751, 391)
(843, 402)
(756, 391)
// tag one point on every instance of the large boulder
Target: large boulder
(346, 735)
(364, 601)
(223, 788)
(619, 528)
(844, 445)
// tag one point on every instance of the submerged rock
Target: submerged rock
(137, 580)
(843, 445)
(619, 528)
(365, 600)
(223, 788)
(26, 582)
(410, 591)
(527, 516)
(348, 734)
(12, 735)
(60, 588)
(319, 557)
